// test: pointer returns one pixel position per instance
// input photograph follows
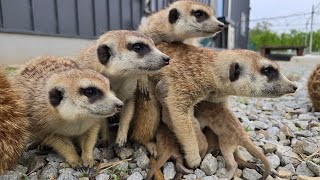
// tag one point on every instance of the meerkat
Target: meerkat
(180, 21)
(230, 135)
(14, 126)
(64, 102)
(313, 88)
(123, 56)
(197, 74)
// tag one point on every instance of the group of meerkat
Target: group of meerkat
(66, 99)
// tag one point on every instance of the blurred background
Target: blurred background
(278, 29)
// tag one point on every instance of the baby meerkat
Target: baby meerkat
(123, 56)
(14, 126)
(65, 102)
(313, 88)
(180, 21)
(230, 135)
(197, 74)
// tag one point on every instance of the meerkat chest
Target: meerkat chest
(74, 128)
(126, 89)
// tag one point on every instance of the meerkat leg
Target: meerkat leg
(182, 127)
(232, 165)
(104, 130)
(152, 148)
(240, 159)
(125, 119)
(64, 146)
(87, 143)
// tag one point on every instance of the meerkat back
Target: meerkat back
(14, 127)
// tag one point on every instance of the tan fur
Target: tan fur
(76, 115)
(123, 69)
(230, 135)
(14, 126)
(313, 88)
(185, 27)
(197, 74)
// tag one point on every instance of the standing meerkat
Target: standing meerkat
(65, 102)
(123, 56)
(180, 21)
(313, 88)
(230, 135)
(14, 126)
(197, 74)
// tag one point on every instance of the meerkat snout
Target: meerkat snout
(166, 60)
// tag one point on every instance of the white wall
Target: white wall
(18, 48)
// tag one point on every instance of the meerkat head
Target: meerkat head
(193, 19)
(128, 52)
(246, 73)
(81, 94)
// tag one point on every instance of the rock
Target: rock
(32, 176)
(238, 173)
(283, 173)
(282, 136)
(305, 147)
(305, 133)
(199, 173)
(11, 175)
(274, 161)
(290, 168)
(142, 160)
(260, 125)
(132, 165)
(269, 148)
(315, 168)
(209, 165)
(243, 151)
(287, 131)
(287, 156)
(123, 166)
(301, 177)
(307, 117)
(273, 133)
(84, 178)
(209, 178)
(169, 170)
(251, 174)
(190, 177)
(316, 160)
(66, 174)
(97, 155)
(135, 176)
(221, 162)
(50, 171)
(221, 173)
(124, 152)
(303, 169)
(302, 124)
(21, 169)
(103, 177)
(53, 157)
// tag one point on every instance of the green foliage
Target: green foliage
(261, 35)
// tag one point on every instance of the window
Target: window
(243, 24)
(219, 8)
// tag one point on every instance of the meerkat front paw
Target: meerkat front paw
(152, 148)
(193, 161)
(121, 140)
(75, 163)
(87, 161)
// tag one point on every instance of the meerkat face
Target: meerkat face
(128, 52)
(249, 74)
(82, 94)
(193, 19)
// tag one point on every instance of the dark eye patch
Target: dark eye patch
(140, 48)
(200, 15)
(270, 72)
(92, 93)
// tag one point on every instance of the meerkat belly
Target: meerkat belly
(75, 128)
(127, 89)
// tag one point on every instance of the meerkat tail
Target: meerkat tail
(158, 175)
(160, 162)
(252, 149)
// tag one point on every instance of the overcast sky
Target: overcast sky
(271, 8)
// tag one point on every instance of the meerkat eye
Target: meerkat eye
(270, 72)
(139, 48)
(200, 15)
(91, 91)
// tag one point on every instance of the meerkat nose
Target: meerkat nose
(119, 106)
(221, 26)
(295, 87)
(166, 59)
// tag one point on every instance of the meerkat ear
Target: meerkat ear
(173, 15)
(104, 54)
(234, 72)
(55, 97)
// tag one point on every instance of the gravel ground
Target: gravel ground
(285, 128)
